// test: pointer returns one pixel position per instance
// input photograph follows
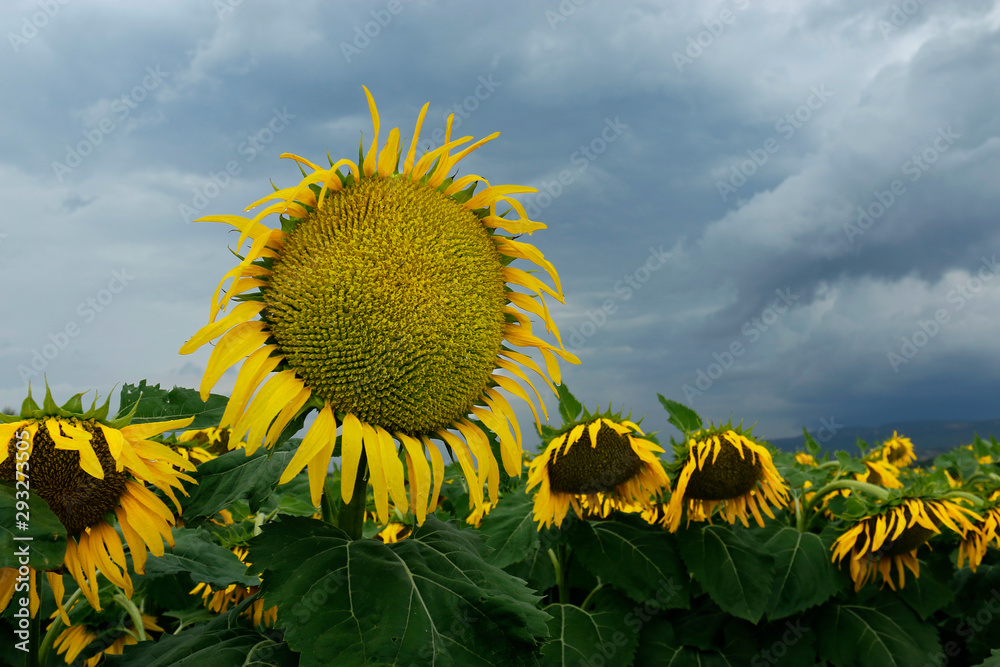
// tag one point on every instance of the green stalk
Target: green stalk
(864, 487)
(975, 500)
(50, 635)
(351, 518)
(591, 594)
(560, 574)
(133, 611)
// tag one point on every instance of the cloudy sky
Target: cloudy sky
(783, 212)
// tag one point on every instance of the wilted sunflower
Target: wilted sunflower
(219, 600)
(599, 459)
(880, 473)
(385, 301)
(898, 451)
(87, 467)
(725, 468)
(976, 542)
(892, 537)
(76, 638)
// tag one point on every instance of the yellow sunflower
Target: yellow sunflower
(724, 468)
(805, 459)
(891, 538)
(76, 638)
(898, 451)
(219, 600)
(600, 460)
(86, 468)
(880, 473)
(386, 302)
(976, 542)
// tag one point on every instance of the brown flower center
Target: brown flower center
(587, 469)
(730, 476)
(77, 499)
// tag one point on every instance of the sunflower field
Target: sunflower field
(366, 495)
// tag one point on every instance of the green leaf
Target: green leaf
(154, 404)
(580, 637)
(509, 530)
(197, 554)
(47, 545)
(931, 590)
(215, 644)
(731, 569)
(569, 407)
(993, 660)
(804, 576)
(641, 561)
(658, 645)
(684, 418)
(429, 598)
(890, 635)
(235, 476)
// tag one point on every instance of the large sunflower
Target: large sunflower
(891, 538)
(75, 639)
(600, 461)
(976, 542)
(724, 468)
(385, 301)
(87, 468)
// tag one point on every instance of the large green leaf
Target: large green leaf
(733, 570)
(993, 660)
(569, 407)
(658, 645)
(509, 530)
(804, 575)
(871, 635)
(235, 476)
(931, 590)
(581, 637)
(684, 418)
(219, 643)
(428, 599)
(47, 544)
(197, 554)
(155, 404)
(639, 560)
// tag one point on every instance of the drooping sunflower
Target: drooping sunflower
(87, 468)
(386, 301)
(898, 451)
(891, 538)
(219, 600)
(976, 542)
(724, 468)
(75, 639)
(880, 473)
(600, 461)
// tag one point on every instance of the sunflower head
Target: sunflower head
(724, 468)
(880, 473)
(92, 471)
(599, 461)
(898, 451)
(889, 538)
(99, 633)
(387, 301)
(220, 599)
(987, 532)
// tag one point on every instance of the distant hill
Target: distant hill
(930, 437)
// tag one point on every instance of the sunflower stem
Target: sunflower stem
(35, 627)
(864, 487)
(975, 500)
(800, 523)
(50, 635)
(351, 518)
(133, 611)
(591, 594)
